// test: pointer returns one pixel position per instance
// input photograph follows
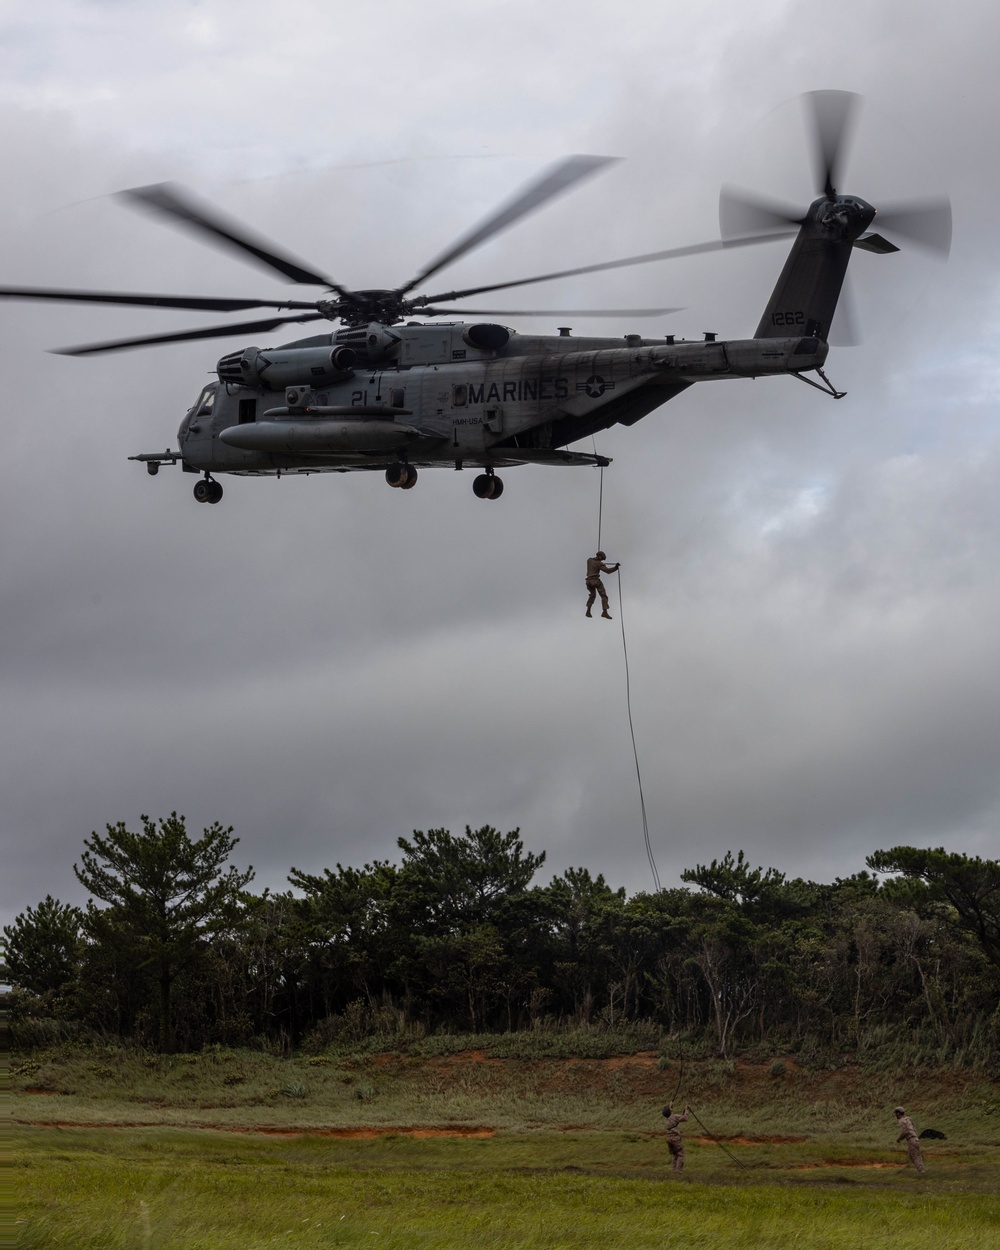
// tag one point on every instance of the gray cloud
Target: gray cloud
(809, 586)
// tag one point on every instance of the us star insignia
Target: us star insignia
(595, 386)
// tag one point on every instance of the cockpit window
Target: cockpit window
(206, 400)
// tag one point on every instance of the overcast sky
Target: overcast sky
(810, 587)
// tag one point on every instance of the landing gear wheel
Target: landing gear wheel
(411, 478)
(396, 474)
(487, 486)
(215, 492)
(203, 490)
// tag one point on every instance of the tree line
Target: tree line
(175, 951)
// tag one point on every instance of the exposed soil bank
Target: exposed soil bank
(444, 1130)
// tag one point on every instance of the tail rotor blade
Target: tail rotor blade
(846, 328)
(741, 214)
(833, 114)
(927, 223)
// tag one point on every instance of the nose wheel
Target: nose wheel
(207, 491)
(487, 486)
(402, 475)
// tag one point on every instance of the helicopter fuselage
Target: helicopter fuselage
(422, 395)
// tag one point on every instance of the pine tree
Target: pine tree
(43, 949)
(166, 895)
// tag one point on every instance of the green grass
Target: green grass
(153, 1189)
(576, 1160)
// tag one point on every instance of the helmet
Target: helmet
(898, 1111)
(601, 555)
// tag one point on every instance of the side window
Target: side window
(248, 411)
(459, 395)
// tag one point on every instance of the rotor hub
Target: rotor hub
(384, 306)
(842, 217)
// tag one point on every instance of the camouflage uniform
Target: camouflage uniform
(908, 1134)
(675, 1143)
(595, 567)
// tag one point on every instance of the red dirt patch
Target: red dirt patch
(366, 1134)
(443, 1130)
(842, 1163)
(102, 1124)
(641, 1059)
(40, 1089)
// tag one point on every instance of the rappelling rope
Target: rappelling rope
(600, 496)
(628, 687)
(719, 1143)
(635, 753)
(600, 508)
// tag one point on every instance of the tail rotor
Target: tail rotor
(811, 283)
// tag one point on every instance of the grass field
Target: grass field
(555, 1154)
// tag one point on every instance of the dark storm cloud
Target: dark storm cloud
(810, 585)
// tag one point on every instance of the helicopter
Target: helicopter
(398, 386)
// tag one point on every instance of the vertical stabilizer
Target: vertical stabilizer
(805, 296)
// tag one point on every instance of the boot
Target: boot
(588, 612)
(606, 615)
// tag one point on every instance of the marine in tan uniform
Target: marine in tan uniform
(908, 1134)
(675, 1143)
(595, 567)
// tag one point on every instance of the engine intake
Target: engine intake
(487, 337)
(275, 368)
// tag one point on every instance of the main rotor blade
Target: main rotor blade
(558, 179)
(924, 222)
(673, 253)
(168, 200)
(211, 332)
(833, 115)
(197, 302)
(742, 214)
(550, 312)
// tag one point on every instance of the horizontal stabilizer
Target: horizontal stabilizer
(872, 242)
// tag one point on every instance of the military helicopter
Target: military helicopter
(387, 392)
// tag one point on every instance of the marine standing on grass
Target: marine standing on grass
(908, 1134)
(675, 1143)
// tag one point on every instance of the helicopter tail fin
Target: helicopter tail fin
(805, 296)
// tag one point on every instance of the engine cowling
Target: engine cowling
(275, 368)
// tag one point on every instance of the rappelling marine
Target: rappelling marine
(595, 567)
